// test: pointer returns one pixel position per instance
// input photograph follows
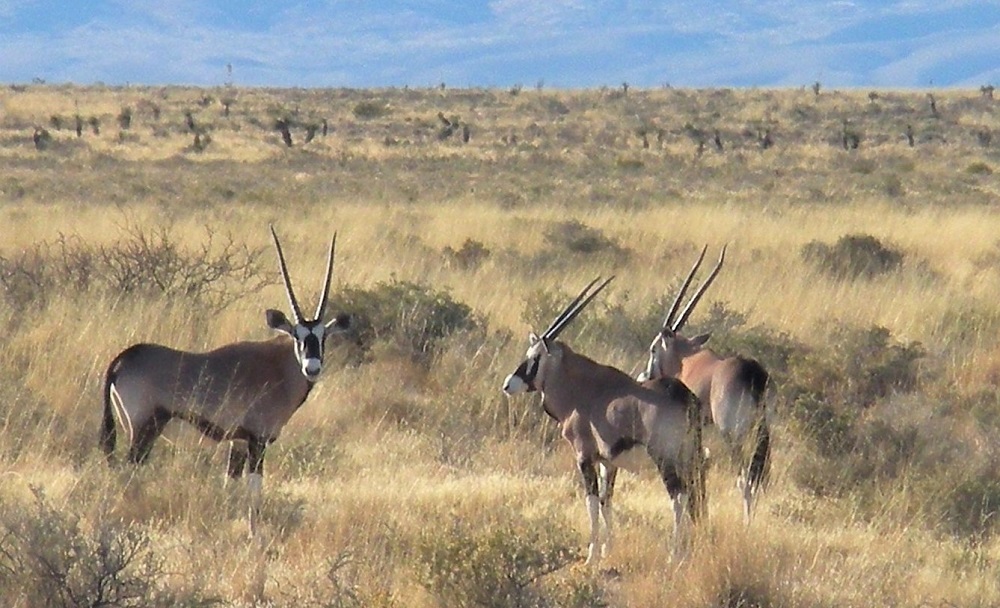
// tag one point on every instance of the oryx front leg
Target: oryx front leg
(589, 473)
(255, 479)
(607, 490)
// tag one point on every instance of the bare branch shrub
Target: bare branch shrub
(146, 261)
(49, 557)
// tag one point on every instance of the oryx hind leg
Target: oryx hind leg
(145, 433)
(679, 498)
(590, 485)
(238, 453)
(608, 473)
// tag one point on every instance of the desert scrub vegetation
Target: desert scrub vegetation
(864, 279)
(144, 259)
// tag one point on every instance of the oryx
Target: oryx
(731, 389)
(605, 414)
(242, 392)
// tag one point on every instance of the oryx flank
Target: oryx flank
(605, 414)
(731, 390)
(242, 392)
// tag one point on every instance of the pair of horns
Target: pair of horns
(292, 300)
(575, 307)
(682, 319)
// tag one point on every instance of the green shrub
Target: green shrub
(576, 237)
(979, 168)
(499, 564)
(853, 256)
(971, 507)
(830, 393)
(469, 256)
(412, 317)
(367, 110)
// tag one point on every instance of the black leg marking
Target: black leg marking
(668, 473)
(145, 435)
(589, 473)
(237, 459)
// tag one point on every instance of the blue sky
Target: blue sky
(499, 43)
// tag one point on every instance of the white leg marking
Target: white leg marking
(606, 512)
(255, 486)
(594, 510)
(681, 536)
(747, 491)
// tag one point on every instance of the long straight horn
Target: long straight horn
(559, 319)
(684, 286)
(568, 317)
(701, 291)
(326, 282)
(296, 311)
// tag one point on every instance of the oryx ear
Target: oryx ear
(701, 339)
(533, 338)
(277, 320)
(339, 324)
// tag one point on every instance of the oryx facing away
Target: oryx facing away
(605, 414)
(731, 389)
(242, 392)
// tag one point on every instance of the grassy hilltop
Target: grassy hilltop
(863, 271)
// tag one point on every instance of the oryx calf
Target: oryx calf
(605, 414)
(731, 389)
(242, 392)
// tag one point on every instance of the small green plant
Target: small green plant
(979, 168)
(370, 109)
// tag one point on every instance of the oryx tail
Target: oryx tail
(756, 378)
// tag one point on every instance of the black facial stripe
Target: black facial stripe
(311, 347)
(527, 371)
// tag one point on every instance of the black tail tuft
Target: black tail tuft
(760, 462)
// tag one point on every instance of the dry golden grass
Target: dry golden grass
(394, 458)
